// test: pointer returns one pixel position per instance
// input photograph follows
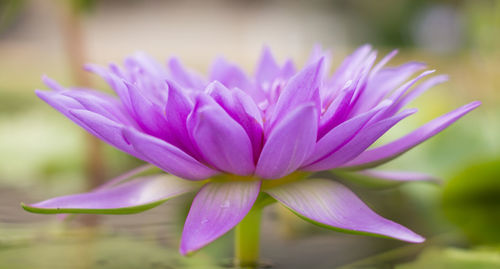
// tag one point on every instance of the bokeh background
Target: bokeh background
(42, 154)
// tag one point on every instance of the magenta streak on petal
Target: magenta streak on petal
(330, 204)
(216, 209)
(290, 143)
(339, 135)
(382, 154)
(138, 192)
(365, 138)
(222, 142)
(167, 157)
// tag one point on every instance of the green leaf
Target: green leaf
(455, 258)
(471, 200)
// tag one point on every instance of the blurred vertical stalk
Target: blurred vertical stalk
(71, 21)
(246, 243)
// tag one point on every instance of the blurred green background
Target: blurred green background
(42, 154)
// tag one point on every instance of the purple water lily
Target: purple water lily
(237, 139)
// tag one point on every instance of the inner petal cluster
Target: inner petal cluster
(268, 125)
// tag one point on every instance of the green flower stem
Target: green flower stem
(247, 239)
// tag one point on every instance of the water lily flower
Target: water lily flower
(240, 140)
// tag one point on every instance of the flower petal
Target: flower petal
(385, 153)
(131, 197)
(331, 205)
(267, 69)
(241, 107)
(221, 140)
(184, 77)
(289, 144)
(166, 156)
(300, 89)
(365, 138)
(397, 95)
(149, 116)
(385, 81)
(104, 128)
(177, 110)
(100, 103)
(230, 75)
(116, 82)
(376, 178)
(339, 135)
(216, 209)
(421, 88)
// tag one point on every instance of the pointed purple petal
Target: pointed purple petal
(216, 209)
(365, 138)
(128, 198)
(383, 62)
(385, 153)
(177, 110)
(241, 107)
(166, 156)
(149, 116)
(52, 84)
(385, 81)
(221, 140)
(331, 205)
(230, 75)
(424, 86)
(104, 128)
(398, 94)
(289, 144)
(339, 135)
(121, 178)
(114, 81)
(267, 68)
(185, 77)
(300, 89)
(336, 111)
(100, 103)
